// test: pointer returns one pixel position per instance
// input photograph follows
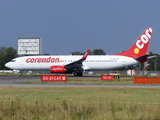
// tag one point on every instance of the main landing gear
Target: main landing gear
(77, 73)
(20, 73)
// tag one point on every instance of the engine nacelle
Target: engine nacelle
(57, 69)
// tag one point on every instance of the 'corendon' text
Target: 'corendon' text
(144, 38)
(43, 60)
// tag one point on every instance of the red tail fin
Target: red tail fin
(140, 46)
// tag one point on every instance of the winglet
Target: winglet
(86, 54)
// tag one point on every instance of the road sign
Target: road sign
(107, 77)
(53, 78)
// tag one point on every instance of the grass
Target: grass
(79, 104)
(88, 80)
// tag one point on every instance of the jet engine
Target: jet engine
(57, 69)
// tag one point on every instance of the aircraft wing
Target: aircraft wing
(77, 64)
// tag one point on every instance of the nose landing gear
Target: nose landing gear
(20, 73)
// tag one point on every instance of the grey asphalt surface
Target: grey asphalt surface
(14, 81)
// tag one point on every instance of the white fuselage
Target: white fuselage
(93, 62)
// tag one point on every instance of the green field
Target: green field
(88, 80)
(79, 103)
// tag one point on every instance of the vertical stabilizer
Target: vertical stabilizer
(139, 48)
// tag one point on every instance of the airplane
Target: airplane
(77, 64)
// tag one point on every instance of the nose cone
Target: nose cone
(8, 65)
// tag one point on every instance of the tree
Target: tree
(94, 52)
(6, 54)
(98, 52)
(154, 63)
(46, 54)
(76, 53)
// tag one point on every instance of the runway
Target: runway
(14, 81)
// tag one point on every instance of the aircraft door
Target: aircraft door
(123, 62)
(22, 62)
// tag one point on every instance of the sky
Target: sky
(67, 26)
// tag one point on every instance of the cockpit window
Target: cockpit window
(13, 61)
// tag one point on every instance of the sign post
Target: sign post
(107, 77)
(29, 46)
(54, 78)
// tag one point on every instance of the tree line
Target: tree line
(7, 54)
(94, 52)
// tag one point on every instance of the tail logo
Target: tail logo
(144, 39)
(136, 50)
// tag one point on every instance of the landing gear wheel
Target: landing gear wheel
(80, 73)
(77, 73)
(20, 73)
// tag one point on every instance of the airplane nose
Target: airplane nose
(7, 65)
(10, 65)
